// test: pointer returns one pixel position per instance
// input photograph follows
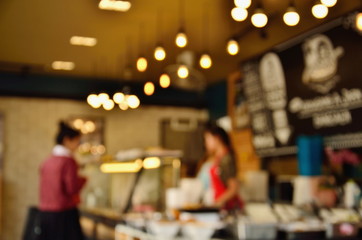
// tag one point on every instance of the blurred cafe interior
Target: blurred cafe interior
(142, 79)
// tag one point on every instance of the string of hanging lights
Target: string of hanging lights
(123, 100)
(259, 19)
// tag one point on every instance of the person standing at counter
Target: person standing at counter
(223, 168)
(60, 186)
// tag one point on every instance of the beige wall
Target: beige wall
(30, 127)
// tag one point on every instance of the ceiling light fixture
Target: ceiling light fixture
(205, 61)
(160, 53)
(149, 88)
(259, 18)
(239, 14)
(329, 3)
(108, 105)
(62, 65)
(83, 41)
(359, 22)
(142, 64)
(183, 72)
(133, 101)
(123, 106)
(291, 16)
(141, 61)
(94, 101)
(181, 37)
(232, 47)
(242, 3)
(113, 5)
(319, 11)
(165, 80)
(103, 97)
(118, 97)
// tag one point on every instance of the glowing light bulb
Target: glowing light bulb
(239, 14)
(94, 101)
(63, 65)
(319, 11)
(108, 105)
(103, 97)
(141, 64)
(121, 6)
(242, 3)
(359, 22)
(160, 53)
(183, 71)
(78, 123)
(90, 126)
(123, 106)
(133, 101)
(118, 97)
(291, 17)
(181, 39)
(149, 88)
(165, 80)
(205, 61)
(233, 47)
(329, 3)
(259, 19)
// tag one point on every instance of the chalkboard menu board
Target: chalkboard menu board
(311, 85)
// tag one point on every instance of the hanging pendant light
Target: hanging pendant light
(205, 61)
(239, 14)
(123, 105)
(232, 47)
(359, 21)
(149, 88)
(181, 37)
(319, 11)
(160, 53)
(108, 104)
(142, 64)
(183, 71)
(329, 3)
(118, 97)
(259, 18)
(141, 61)
(94, 101)
(103, 97)
(165, 80)
(291, 16)
(242, 3)
(133, 101)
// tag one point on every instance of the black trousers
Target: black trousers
(63, 225)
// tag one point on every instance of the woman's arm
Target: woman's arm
(231, 191)
(73, 182)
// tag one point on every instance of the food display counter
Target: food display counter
(278, 221)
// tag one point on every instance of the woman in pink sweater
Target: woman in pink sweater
(60, 186)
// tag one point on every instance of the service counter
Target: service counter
(105, 224)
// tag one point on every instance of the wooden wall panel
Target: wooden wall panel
(247, 159)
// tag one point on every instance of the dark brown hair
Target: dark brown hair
(66, 131)
(215, 130)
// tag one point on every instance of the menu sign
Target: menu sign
(310, 86)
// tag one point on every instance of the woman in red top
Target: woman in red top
(60, 186)
(223, 168)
